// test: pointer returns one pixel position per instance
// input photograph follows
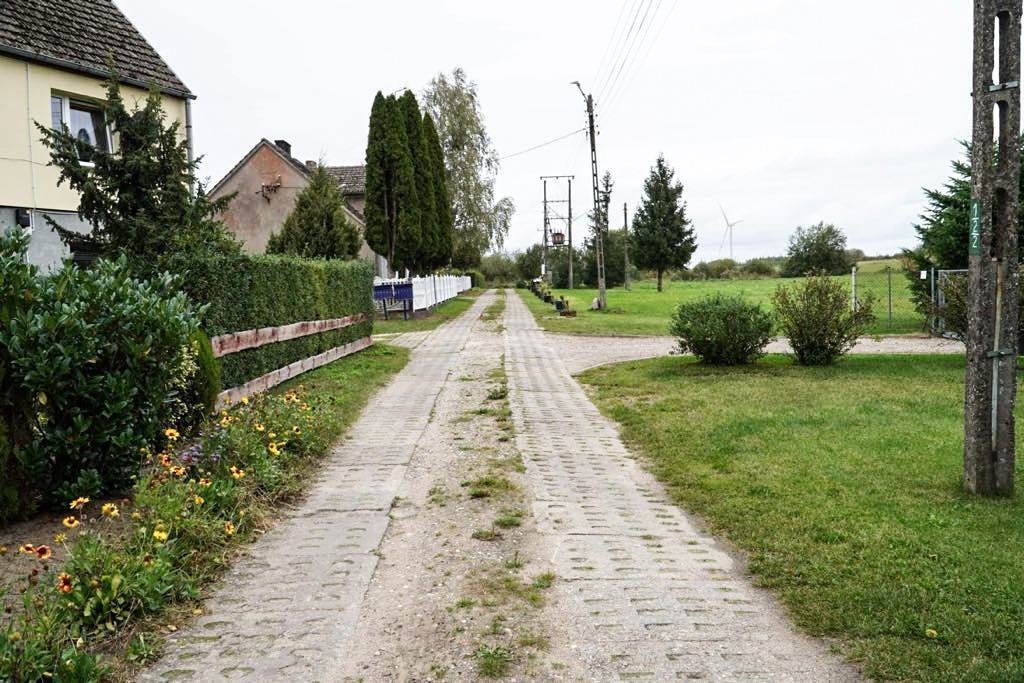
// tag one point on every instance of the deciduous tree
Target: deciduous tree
(479, 221)
(662, 237)
(821, 247)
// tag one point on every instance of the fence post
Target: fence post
(935, 305)
(853, 288)
(888, 272)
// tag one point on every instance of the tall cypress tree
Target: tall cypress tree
(442, 201)
(427, 244)
(391, 209)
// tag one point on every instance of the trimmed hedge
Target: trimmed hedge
(249, 291)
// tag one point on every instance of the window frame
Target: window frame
(87, 102)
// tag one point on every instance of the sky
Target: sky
(783, 113)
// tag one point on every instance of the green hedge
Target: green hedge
(250, 291)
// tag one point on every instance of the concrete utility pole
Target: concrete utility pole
(625, 247)
(570, 231)
(546, 270)
(547, 223)
(599, 228)
(992, 253)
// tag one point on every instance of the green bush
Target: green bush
(816, 316)
(92, 354)
(245, 292)
(759, 267)
(17, 498)
(722, 330)
(476, 277)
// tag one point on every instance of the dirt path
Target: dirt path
(646, 594)
(287, 611)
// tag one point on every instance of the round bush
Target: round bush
(722, 330)
(815, 314)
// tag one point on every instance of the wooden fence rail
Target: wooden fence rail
(233, 342)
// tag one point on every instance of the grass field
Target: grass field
(644, 310)
(428, 320)
(842, 483)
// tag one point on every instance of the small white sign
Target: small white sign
(924, 274)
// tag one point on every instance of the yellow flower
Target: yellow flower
(77, 503)
(237, 473)
(244, 400)
(178, 471)
(273, 449)
(27, 548)
(204, 482)
(271, 435)
(198, 500)
(165, 460)
(3, 550)
(225, 421)
(110, 510)
(171, 433)
(60, 538)
(258, 427)
(70, 522)
(931, 633)
(147, 560)
(296, 430)
(229, 528)
(159, 535)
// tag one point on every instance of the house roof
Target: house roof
(80, 35)
(351, 179)
(299, 166)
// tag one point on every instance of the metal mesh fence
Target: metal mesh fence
(893, 303)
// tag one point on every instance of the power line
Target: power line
(639, 45)
(629, 51)
(543, 144)
(650, 47)
(611, 40)
(636, 15)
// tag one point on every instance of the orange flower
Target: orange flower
(110, 510)
(43, 552)
(165, 460)
(198, 500)
(27, 548)
(64, 583)
(229, 528)
(70, 522)
(178, 471)
(171, 434)
(237, 473)
(204, 482)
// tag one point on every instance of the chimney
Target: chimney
(284, 146)
(311, 165)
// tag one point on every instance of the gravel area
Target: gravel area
(580, 352)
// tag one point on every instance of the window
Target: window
(84, 120)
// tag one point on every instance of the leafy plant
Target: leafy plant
(722, 330)
(821, 247)
(816, 316)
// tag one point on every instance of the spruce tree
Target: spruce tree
(317, 226)
(662, 237)
(442, 201)
(392, 221)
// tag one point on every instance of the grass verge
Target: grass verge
(429, 320)
(842, 483)
(100, 614)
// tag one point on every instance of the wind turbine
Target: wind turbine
(728, 231)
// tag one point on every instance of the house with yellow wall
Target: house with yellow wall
(54, 59)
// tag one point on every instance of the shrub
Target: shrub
(722, 330)
(714, 270)
(819, 247)
(476, 277)
(816, 316)
(759, 267)
(92, 356)
(246, 292)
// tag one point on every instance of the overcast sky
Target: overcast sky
(785, 112)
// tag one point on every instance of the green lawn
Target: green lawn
(644, 310)
(842, 483)
(427, 320)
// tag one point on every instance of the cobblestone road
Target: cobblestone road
(286, 612)
(649, 596)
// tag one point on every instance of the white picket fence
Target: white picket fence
(431, 290)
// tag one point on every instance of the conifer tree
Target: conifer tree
(427, 244)
(317, 226)
(662, 237)
(392, 226)
(442, 201)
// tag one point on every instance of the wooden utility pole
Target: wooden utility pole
(625, 247)
(991, 382)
